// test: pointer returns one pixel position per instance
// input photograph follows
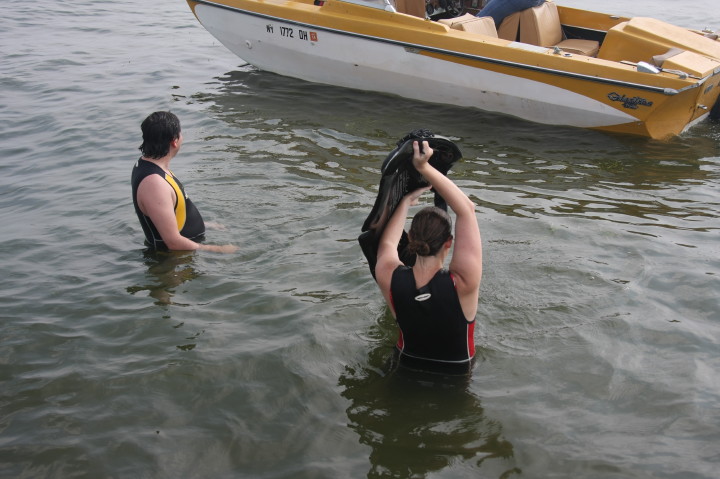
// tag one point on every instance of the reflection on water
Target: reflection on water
(166, 271)
(288, 119)
(622, 190)
(418, 422)
(511, 168)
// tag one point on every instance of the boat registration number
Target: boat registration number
(289, 32)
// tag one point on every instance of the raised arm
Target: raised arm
(466, 262)
(387, 258)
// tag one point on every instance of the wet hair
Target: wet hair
(158, 130)
(431, 227)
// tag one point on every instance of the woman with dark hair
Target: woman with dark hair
(434, 307)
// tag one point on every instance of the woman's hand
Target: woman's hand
(420, 159)
(413, 197)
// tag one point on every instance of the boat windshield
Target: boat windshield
(381, 4)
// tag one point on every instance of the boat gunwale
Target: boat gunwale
(467, 56)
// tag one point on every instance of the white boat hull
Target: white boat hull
(271, 44)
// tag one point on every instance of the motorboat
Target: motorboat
(549, 64)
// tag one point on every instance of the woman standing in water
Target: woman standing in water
(434, 307)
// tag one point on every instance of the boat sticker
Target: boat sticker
(631, 103)
(289, 32)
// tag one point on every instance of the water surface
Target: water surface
(598, 324)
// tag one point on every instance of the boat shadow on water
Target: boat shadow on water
(248, 89)
(355, 130)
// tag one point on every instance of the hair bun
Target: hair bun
(419, 247)
(430, 229)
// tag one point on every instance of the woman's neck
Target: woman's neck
(425, 268)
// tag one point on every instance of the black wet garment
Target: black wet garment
(399, 177)
(431, 320)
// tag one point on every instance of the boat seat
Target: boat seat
(509, 27)
(691, 63)
(658, 60)
(416, 8)
(641, 38)
(541, 26)
(472, 24)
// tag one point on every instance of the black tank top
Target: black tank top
(431, 320)
(189, 221)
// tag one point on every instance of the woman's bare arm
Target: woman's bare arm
(466, 262)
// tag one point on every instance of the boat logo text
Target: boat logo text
(631, 103)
